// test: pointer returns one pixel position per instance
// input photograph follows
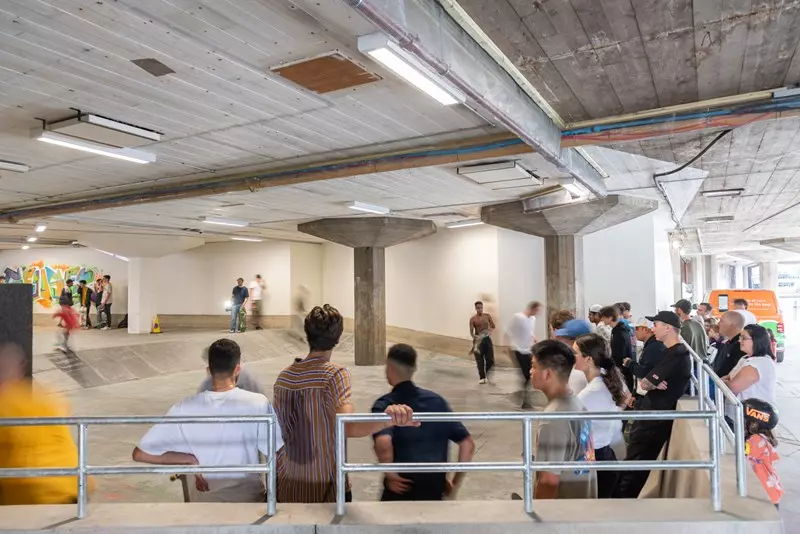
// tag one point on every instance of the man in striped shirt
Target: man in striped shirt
(307, 396)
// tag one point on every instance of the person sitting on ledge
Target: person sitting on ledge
(216, 443)
(308, 395)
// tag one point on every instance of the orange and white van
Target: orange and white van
(763, 303)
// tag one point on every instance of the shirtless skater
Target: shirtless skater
(480, 328)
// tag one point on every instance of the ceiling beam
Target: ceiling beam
(465, 150)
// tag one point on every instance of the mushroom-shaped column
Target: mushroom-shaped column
(369, 237)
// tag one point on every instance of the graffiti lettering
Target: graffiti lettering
(49, 280)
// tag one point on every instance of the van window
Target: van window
(723, 303)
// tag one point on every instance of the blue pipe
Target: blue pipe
(772, 105)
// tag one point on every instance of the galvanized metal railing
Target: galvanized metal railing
(528, 466)
(701, 374)
(82, 471)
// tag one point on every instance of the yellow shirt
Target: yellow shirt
(35, 447)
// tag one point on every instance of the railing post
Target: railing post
(81, 471)
(720, 405)
(527, 476)
(695, 375)
(741, 468)
(341, 457)
(702, 383)
(272, 487)
(715, 442)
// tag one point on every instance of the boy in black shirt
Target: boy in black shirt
(665, 385)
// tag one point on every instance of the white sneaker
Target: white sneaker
(482, 381)
(105, 328)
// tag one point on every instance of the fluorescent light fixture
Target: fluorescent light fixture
(464, 223)
(248, 239)
(718, 218)
(25, 247)
(41, 228)
(575, 189)
(224, 222)
(503, 171)
(389, 54)
(368, 208)
(32, 239)
(126, 154)
(13, 166)
(123, 258)
(716, 193)
(676, 244)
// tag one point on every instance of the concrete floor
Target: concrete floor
(121, 374)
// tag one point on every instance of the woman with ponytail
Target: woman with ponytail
(606, 392)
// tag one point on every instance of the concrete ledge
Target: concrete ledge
(656, 516)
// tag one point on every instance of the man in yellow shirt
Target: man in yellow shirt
(33, 446)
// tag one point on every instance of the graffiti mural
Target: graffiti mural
(49, 280)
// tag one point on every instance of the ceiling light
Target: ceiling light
(25, 247)
(248, 239)
(388, 53)
(32, 239)
(464, 223)
(368, 208)
(503, 171)
(105, 131)
(41, 228)
(575, 188)
(13, 166)
(224, 222)
(718, 218)
(126, 154)
(716, 193)
(676, 244)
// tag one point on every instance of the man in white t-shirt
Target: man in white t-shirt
(520, 337)
(257, 288)
(216, 443)
(740, 307)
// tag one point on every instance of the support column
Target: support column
(712, 272)
(677, 274)
(16, 318)
(564, 273)
(769, 275)
(141, 294)
(369, 269)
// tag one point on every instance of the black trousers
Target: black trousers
(647, 438)
(606, 480)
(524, 362)
(484, 356)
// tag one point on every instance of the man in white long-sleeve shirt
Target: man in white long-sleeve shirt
(520, 336)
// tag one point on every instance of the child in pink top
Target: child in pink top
(760, 418)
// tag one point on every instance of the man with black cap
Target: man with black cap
(664, 386)
(423, 444)
(692, 332)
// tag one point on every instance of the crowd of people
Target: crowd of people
(591, 365)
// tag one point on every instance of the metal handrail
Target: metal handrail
(528, 466)
(702, 372)
(82, 471)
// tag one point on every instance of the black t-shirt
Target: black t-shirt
(728, 355)
(239, 294)
(676, 368)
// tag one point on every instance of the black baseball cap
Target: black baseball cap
(684, 305)
(666, 317)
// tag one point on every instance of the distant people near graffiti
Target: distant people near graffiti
(107, 301)
(48, 280)
(257, 290)
(85, 303)
(68, 322)
(97, 298)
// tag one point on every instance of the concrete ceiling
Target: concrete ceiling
(599, 58)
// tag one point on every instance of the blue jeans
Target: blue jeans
(235, 315)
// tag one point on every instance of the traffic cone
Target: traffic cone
(156, 326)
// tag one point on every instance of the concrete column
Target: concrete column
(369, 237)
(741, 278)
(141, 294)
(698, 279)
(677, 274)
(712, 272)
(769, 275)
(16, 318)
(564, 273)
(369, 268)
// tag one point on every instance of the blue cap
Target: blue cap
(574, 328)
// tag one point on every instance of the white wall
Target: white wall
(629, 262)
(521, 276)
(72, 257)
(200, 280)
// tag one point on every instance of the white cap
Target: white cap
(595, 308)
(644, 322)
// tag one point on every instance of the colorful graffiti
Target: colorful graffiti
(49, 280)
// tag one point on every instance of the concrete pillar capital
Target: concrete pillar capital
(357, 232)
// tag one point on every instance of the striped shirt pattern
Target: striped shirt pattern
(306, 397)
